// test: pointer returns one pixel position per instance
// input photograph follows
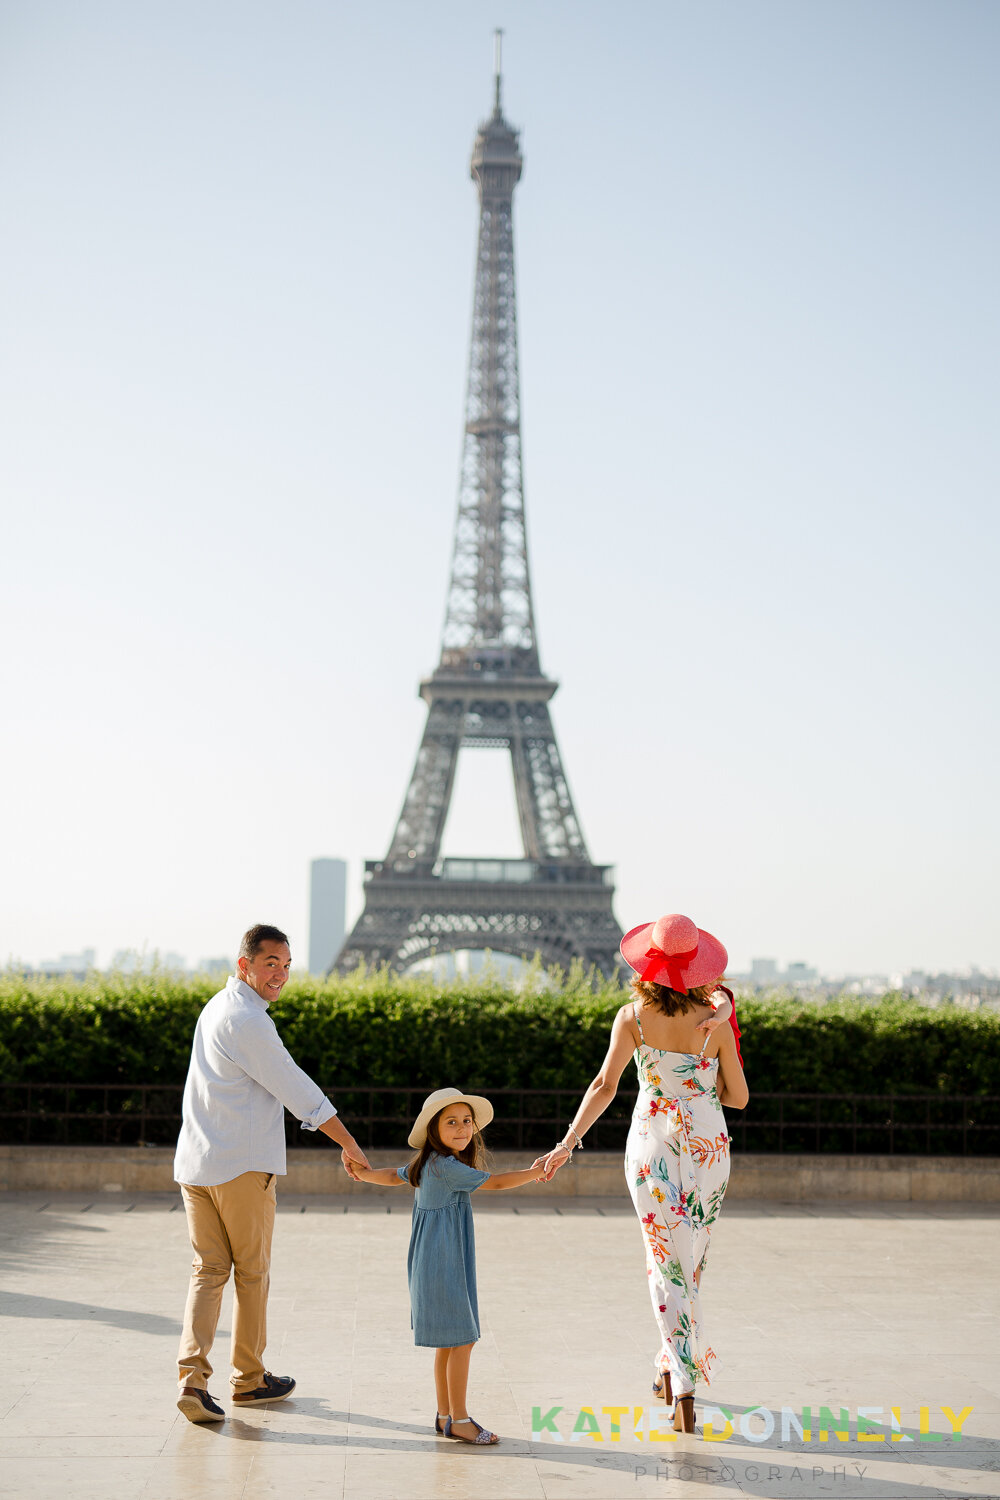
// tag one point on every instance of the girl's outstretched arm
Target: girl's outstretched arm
(500, 1180)
(377, 1176)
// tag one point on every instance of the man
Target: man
(230, 1153)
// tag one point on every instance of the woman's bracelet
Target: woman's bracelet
(562, 1145)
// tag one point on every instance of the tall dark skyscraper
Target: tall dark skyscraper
(327, 912)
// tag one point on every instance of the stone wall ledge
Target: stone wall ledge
(591, 1174)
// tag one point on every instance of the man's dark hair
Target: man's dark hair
(255, 937)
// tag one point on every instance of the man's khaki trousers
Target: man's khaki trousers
(230, 1228)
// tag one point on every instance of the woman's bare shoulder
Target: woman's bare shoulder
(624, 1024)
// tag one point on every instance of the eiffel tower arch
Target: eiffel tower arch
(488, 689)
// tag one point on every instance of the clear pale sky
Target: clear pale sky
(757, 248)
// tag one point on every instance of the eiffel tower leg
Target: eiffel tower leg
(381, 932)
(425, 807)
(545, 806)
(527, 810)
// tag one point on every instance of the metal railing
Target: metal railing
(869, 1124)
(526, 1119)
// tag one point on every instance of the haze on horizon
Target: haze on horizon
(758, 330)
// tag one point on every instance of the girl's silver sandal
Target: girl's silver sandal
(481, 1438)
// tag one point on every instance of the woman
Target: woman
(677, 1155)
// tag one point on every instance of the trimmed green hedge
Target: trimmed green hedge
(384, 1029)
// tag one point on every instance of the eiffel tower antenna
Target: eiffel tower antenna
(488, 689)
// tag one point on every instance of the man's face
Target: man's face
(267, 972)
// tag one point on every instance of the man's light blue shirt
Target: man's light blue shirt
(240, 1082)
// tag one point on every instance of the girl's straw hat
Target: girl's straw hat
(674, 952)
(482, 1111)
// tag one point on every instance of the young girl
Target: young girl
(441, 1265)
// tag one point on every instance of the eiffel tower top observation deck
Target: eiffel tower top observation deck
(488, 689)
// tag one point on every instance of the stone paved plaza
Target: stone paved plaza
(808, 1305)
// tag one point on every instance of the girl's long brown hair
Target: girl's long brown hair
(671, 1002)
(474, 1154)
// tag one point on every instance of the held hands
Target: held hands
(544, 1172)
(550, 1164)
(355, 1161)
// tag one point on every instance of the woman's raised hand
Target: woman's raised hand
(723, 1011)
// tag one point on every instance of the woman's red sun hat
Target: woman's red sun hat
(674, 952)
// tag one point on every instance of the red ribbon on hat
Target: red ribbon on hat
(674, 963)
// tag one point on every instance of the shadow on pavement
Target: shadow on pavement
(846, 1472)
(24, 1305)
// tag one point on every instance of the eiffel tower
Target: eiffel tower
(488, 688)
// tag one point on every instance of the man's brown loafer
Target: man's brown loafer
(275, 1388)
(198, 1406)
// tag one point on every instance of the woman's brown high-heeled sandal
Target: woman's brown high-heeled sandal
(684, 1413)
(661, 1387)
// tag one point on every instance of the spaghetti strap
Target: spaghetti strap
(635, 1012)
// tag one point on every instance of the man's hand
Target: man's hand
(353, 1153)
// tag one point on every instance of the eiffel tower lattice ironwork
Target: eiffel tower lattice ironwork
(489, 688)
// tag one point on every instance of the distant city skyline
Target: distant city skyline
(758, 313)
(760, 971)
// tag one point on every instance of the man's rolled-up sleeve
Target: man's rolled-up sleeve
(260, 1052)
